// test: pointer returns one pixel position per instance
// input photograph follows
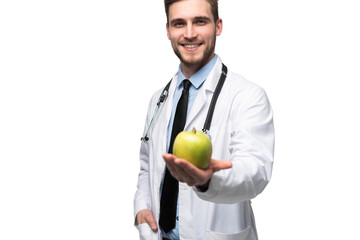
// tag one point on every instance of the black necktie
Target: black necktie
(169, 195)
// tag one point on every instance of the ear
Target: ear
(219, 27)
(167, 31)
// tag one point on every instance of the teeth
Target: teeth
(191, 46)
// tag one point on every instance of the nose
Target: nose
(190, 32)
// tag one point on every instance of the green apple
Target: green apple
(193, 146)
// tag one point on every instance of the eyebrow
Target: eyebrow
(202, 18)
(205, 18)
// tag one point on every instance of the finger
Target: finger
(176, 169)
(169, 161)
(169, 157)
(218, 165)
(151, 221)
(193, 174)
(183, 172)
(179, 168)
(172, 168)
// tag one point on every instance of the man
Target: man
(213, 203)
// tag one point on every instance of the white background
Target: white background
(76, 77)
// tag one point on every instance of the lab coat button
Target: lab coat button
(177, 218)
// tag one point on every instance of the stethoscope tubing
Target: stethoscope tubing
(163, 97)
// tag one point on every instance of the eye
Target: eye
(200, 21)
(178, 24)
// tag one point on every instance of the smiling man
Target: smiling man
(192, 30)
(175, 199)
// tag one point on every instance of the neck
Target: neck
(189, 69)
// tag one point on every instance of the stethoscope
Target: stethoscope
(164, 95)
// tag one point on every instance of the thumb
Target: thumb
(151, 221)
(221, 164)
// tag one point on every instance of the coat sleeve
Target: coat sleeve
(251, 151)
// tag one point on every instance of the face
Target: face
(192, 31)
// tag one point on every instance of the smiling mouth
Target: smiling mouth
(191, 46)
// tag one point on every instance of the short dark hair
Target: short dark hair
(213, 4)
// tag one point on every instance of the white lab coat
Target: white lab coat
(241, 131)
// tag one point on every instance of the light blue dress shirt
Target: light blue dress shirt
(197, 81)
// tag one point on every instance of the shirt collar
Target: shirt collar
(198, 78)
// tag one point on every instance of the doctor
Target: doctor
(212, 203)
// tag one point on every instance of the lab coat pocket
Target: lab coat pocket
(145, 231)
(246, 234)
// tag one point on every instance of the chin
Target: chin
(192, 59)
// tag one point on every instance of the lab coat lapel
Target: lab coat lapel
(204, 96)
(168, 108)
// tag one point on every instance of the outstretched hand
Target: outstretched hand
(186, 172)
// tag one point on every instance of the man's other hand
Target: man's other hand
(146, 216)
